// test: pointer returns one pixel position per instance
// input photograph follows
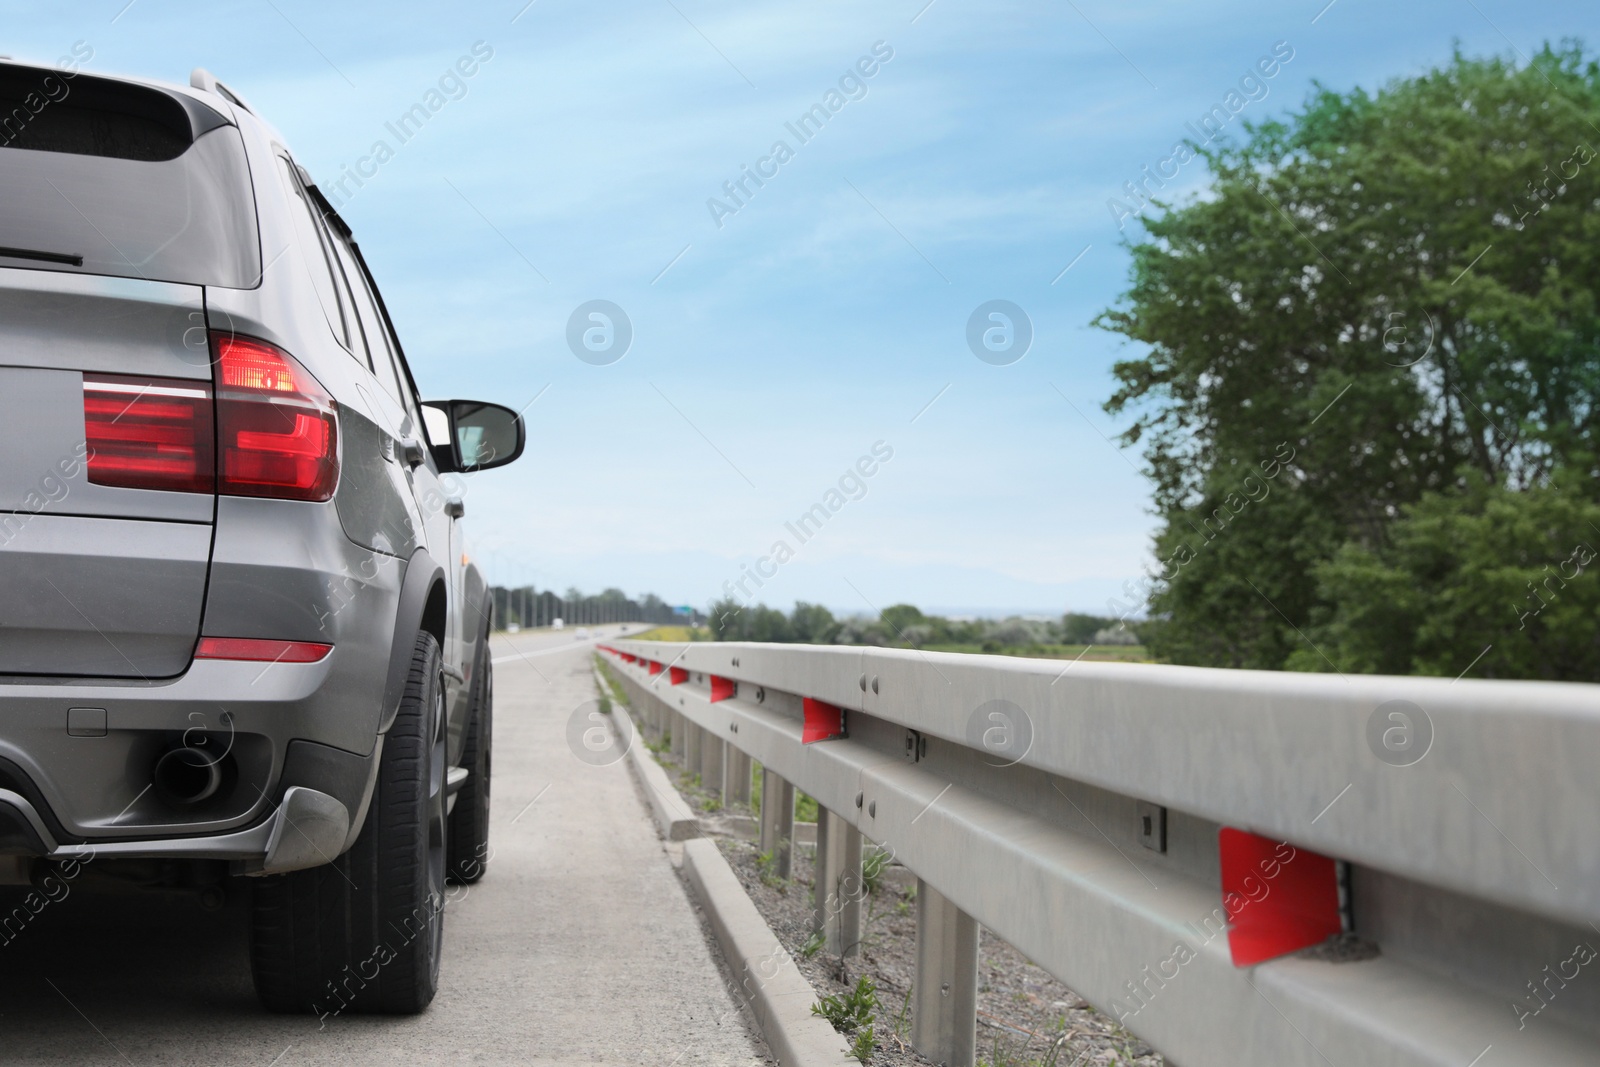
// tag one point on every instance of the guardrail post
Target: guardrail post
(944, 1021)
(693, 737)
(836, 890)
(777, 821)
(712, 758)
(735, 776)
(680, 734)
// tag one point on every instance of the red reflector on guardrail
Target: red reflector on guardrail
(722, 688)
(679, 675)
(1279, 899)
(630, 657)
(823, 721)
(655, 667)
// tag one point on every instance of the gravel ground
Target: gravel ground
(1025, 1017)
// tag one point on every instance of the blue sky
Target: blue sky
(824, 315)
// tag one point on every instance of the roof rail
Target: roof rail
(202, 79)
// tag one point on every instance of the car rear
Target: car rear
(130, 421)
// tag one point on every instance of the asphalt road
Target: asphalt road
(579, 946)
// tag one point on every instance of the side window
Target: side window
(313, 249)
(385, 359)
(402, 386)
(352, 285)
(373, 323)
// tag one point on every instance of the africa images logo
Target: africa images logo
(599, 332)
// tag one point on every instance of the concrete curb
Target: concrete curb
(771, 987)
(673, 817)
(774, 990)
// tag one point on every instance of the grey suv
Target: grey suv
(240, 644)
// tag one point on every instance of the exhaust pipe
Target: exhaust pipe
(187, 775)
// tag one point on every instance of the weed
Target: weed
(767, 868)
(805, 808)
(605, 705)
(611, 679)
(851, 1011)
(711, 804)
(900, 1019)
(861, 1048)
(1001, 1055)
(873, 864)
(813, 945)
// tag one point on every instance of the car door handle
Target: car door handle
(455, 508)
(411, 449)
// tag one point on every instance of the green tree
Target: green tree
(896, 617)
(812, 624)
(1498, 580)
(1386, 297)
(726, 620)
(766, 624)
(1079, 629)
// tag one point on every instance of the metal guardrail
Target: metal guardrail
(1161, 838)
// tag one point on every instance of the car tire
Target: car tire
(364, 933)
(469, 819)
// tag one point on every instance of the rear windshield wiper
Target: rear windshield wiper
(48, 257)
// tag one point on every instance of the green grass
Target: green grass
(673, 633)
(611, 679)
(805, 808)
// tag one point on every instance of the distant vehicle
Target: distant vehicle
(557, 624)
(513, 628)
(582, 632)
(264, 665)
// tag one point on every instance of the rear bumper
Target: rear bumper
(82, 755)
(82, 751)
(307, 829)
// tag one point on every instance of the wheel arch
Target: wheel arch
(424, 605)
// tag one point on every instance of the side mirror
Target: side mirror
(476, 435)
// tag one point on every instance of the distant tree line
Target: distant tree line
(905, 626)
(528, 607)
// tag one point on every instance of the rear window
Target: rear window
(104, 177)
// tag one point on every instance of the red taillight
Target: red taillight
(277, 428)
(149, 433)
(257, 650)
